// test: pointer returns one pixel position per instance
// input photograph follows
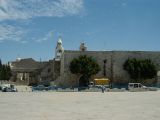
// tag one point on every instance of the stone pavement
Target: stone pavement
(80, 105)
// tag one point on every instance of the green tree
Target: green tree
(8, 72)
(85, 67)
(140, 68)
(0, 70)
(0, 64)
(5, 72)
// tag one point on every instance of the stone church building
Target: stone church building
(56, 71)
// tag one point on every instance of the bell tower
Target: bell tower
(83, 47)
(59, 49)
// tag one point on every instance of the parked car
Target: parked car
(152, 88)
(52, 87)
(8, 88)
(137, 87)
(39, 88)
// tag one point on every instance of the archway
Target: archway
(83, 81)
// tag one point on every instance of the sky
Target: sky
(31, 28)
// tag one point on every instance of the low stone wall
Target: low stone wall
(24, 88)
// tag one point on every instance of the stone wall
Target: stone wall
(28, 71)
(69, 79)
(59, 72)
(46, 72)
(121, 56)
(114, 65)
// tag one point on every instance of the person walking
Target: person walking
(103, 89)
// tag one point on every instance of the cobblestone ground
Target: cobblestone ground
(80, 106)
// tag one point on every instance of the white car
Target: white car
(8, 88)
(137, 87)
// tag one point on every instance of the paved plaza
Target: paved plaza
(80, 106)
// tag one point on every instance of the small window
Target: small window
(140, 85)
(135, 85)
(49, 70)
(60, 51)
(130, 85)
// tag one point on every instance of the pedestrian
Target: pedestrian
(103, 89)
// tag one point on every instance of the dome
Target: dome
(59, 41)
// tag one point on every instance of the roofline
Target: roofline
(111, 51)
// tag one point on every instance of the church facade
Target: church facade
(56, 71)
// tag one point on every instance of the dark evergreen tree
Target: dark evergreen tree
(5, 71)
(8, 72)
(0, 69)
(0, 64)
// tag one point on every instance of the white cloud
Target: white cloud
(25, 9)
(18, 34)
(11, 33)
(46, 37)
